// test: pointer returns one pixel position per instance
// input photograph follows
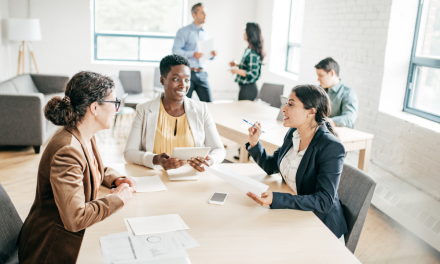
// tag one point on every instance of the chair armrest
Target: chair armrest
(21, 119)
(50, 84)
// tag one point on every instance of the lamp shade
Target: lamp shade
(24, 29)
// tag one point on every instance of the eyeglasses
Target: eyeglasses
(117, 103)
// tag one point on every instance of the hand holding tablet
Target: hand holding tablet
(196, 157)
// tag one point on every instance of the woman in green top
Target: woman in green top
(249, 69)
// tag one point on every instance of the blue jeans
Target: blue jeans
(199, 83)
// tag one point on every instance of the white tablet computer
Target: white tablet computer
(188, 153)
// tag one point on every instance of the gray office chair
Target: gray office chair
(270, 93)
(10, 226)
(355, 192)
(132, 84)
(157, 86)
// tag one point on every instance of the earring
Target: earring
(96, 114)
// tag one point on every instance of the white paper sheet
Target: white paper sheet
(156, 224)
(205, 47)
(149, 184)
(122, 248)
(184, 173)
(117, 248)
(242, 182)
(181, 237)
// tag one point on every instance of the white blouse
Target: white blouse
(290, 163)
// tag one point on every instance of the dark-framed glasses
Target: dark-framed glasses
(117, 103)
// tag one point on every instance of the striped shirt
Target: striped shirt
(251, 62)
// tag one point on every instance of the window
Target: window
(295, 35)
(136, 30)
(423, 89)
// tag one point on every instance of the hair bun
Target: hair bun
(66, 100)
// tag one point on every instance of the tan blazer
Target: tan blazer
(65, 203)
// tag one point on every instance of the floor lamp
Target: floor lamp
(24, 30)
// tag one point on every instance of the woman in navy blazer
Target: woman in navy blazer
(319, 170)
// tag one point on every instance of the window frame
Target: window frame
(131, 35)
(290, 44)
(416, 62)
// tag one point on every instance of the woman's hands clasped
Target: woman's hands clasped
(123, 191)
(254, 134)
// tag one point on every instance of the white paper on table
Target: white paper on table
(157, 246)
(149, 184)
(181, 237)
(179, 260)
(184, 173)
(185, 239)
(242, 182)
(156, 224)
(205, 47)
(117, 248)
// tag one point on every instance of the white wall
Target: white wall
(4, 43)
(66, 45)
(372, 40)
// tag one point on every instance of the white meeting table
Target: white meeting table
(228, 118)
(240, 231)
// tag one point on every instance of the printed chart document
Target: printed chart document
(182, 237)
(156, 224)
(242, 182)
(184, 173)
(121, 248)
(205, 47)
(149, 184)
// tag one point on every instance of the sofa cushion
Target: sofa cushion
(24, 84)
(7, 88)
(49, 84)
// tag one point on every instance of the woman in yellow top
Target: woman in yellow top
(173, 120)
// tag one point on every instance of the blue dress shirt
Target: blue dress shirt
(185, 43)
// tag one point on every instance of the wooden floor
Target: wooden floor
(382, 239)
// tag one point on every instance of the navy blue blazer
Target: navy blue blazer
(317, 178)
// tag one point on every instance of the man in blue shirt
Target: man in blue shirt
(185, 44)
(343, 99)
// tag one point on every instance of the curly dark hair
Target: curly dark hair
(255, 39)
(82, 90)
(313, 96)
(171, 60)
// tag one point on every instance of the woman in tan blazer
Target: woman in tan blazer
(71, 172)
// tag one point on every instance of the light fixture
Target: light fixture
(24, 30)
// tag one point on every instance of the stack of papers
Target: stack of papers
(184, 173)
(155, 224)
(152, 245)
(242, 182)
(149, 184)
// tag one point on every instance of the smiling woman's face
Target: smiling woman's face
(177, 82)
(295, 115)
